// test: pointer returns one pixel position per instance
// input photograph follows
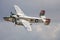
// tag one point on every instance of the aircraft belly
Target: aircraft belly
(34, 20)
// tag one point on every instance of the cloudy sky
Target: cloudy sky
(9, 31)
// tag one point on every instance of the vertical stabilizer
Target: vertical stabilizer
(42, 13)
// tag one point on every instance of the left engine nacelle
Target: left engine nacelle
(17, 22)
(47, 22)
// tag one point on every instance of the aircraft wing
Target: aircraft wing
(18, 10)
(26, 25)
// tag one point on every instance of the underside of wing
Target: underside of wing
(26, 25)
(18, 10)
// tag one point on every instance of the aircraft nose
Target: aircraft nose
(5, 18)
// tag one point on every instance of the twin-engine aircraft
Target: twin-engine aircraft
(21, 19)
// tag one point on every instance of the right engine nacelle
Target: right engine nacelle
(47, 22)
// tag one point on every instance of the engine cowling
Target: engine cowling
(47, 22)
(12, 13)
(18, 23)
(36, 20)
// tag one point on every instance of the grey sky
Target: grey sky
(8, 31)
(52, 7)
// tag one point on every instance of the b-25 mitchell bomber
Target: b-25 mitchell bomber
(21, 19)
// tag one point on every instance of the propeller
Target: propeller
(12, 13)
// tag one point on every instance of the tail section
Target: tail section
(42, 13)
(18, 10)
(44, 19)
